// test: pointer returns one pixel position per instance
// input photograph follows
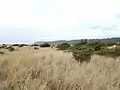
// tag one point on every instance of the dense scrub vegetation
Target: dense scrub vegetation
(63, 46)
(11, 48)
(83, 50)
(22, 45)
(45, 45)
(35, 45)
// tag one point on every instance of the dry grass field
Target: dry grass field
(49, 69)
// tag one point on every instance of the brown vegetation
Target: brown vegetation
(49, 69)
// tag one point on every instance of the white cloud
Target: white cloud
(57, 19)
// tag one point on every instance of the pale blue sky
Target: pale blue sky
(26, 21)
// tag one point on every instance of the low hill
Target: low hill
(107, 40)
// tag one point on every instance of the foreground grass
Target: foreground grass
(48, 69)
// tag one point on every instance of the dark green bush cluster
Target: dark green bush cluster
(11, 48)
(35, 45)
(64, 46)
(82, 54)
(83, 51)
(97, 46)
(45, 45)
(115, 52)
(82, 42)
(22, 45)
(15, 45)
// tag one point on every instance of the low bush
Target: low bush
(115, 52)
(82, 54)
(36, 48)
(82, 42)
(22, 45)
(64, 46)
(45, 45)
(1, 52)
(15, 45)
(11, 48)
(35, 45)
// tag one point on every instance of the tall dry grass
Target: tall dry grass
(48, 69)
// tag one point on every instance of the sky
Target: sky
(27, 21)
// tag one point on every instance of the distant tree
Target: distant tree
(15, 45)
(22, 45)
(45, 45)
(35, 45)
(84, 41)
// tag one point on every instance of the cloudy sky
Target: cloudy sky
(26, 21)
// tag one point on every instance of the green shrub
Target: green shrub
(1, 52)
(64, 46)
(11, 48)
(97, 45)
(35, 45)
(15, 45)
(109, 52)
(84, 52)
(45, 45)
(82, 42)
(36, 48)
(82, 55)
(22, 45)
